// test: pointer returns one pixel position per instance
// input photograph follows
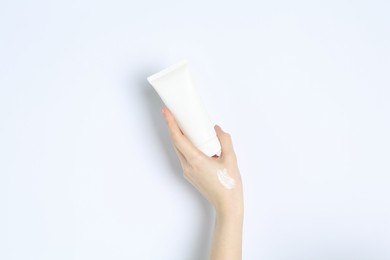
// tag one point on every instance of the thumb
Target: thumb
(226, 142)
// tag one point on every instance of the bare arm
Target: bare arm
(227, 241)
(218, 180)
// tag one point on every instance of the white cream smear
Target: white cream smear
(224, 178)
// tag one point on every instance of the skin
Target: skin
(201, 172)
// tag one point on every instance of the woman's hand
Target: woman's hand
(217, 178)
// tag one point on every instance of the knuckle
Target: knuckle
(175, 138)
(197, 159)
(186, 172)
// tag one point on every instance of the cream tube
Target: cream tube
(175, 87)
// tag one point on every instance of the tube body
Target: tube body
(175, 87)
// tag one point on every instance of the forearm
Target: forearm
(227, 240)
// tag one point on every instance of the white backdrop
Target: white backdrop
(87, 170)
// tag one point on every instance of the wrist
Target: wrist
(232, 211)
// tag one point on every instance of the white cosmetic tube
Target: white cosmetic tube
(175, 87)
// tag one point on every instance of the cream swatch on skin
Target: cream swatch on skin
(224, 178)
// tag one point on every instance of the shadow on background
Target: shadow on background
(153, 104)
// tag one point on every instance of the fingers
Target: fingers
(180, 141)
(182, 159)
(226, 142)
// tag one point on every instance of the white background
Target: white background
(87, 170)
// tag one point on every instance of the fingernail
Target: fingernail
(162, 110)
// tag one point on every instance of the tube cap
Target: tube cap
(211, 147)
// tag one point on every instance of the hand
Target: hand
(217, 178)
